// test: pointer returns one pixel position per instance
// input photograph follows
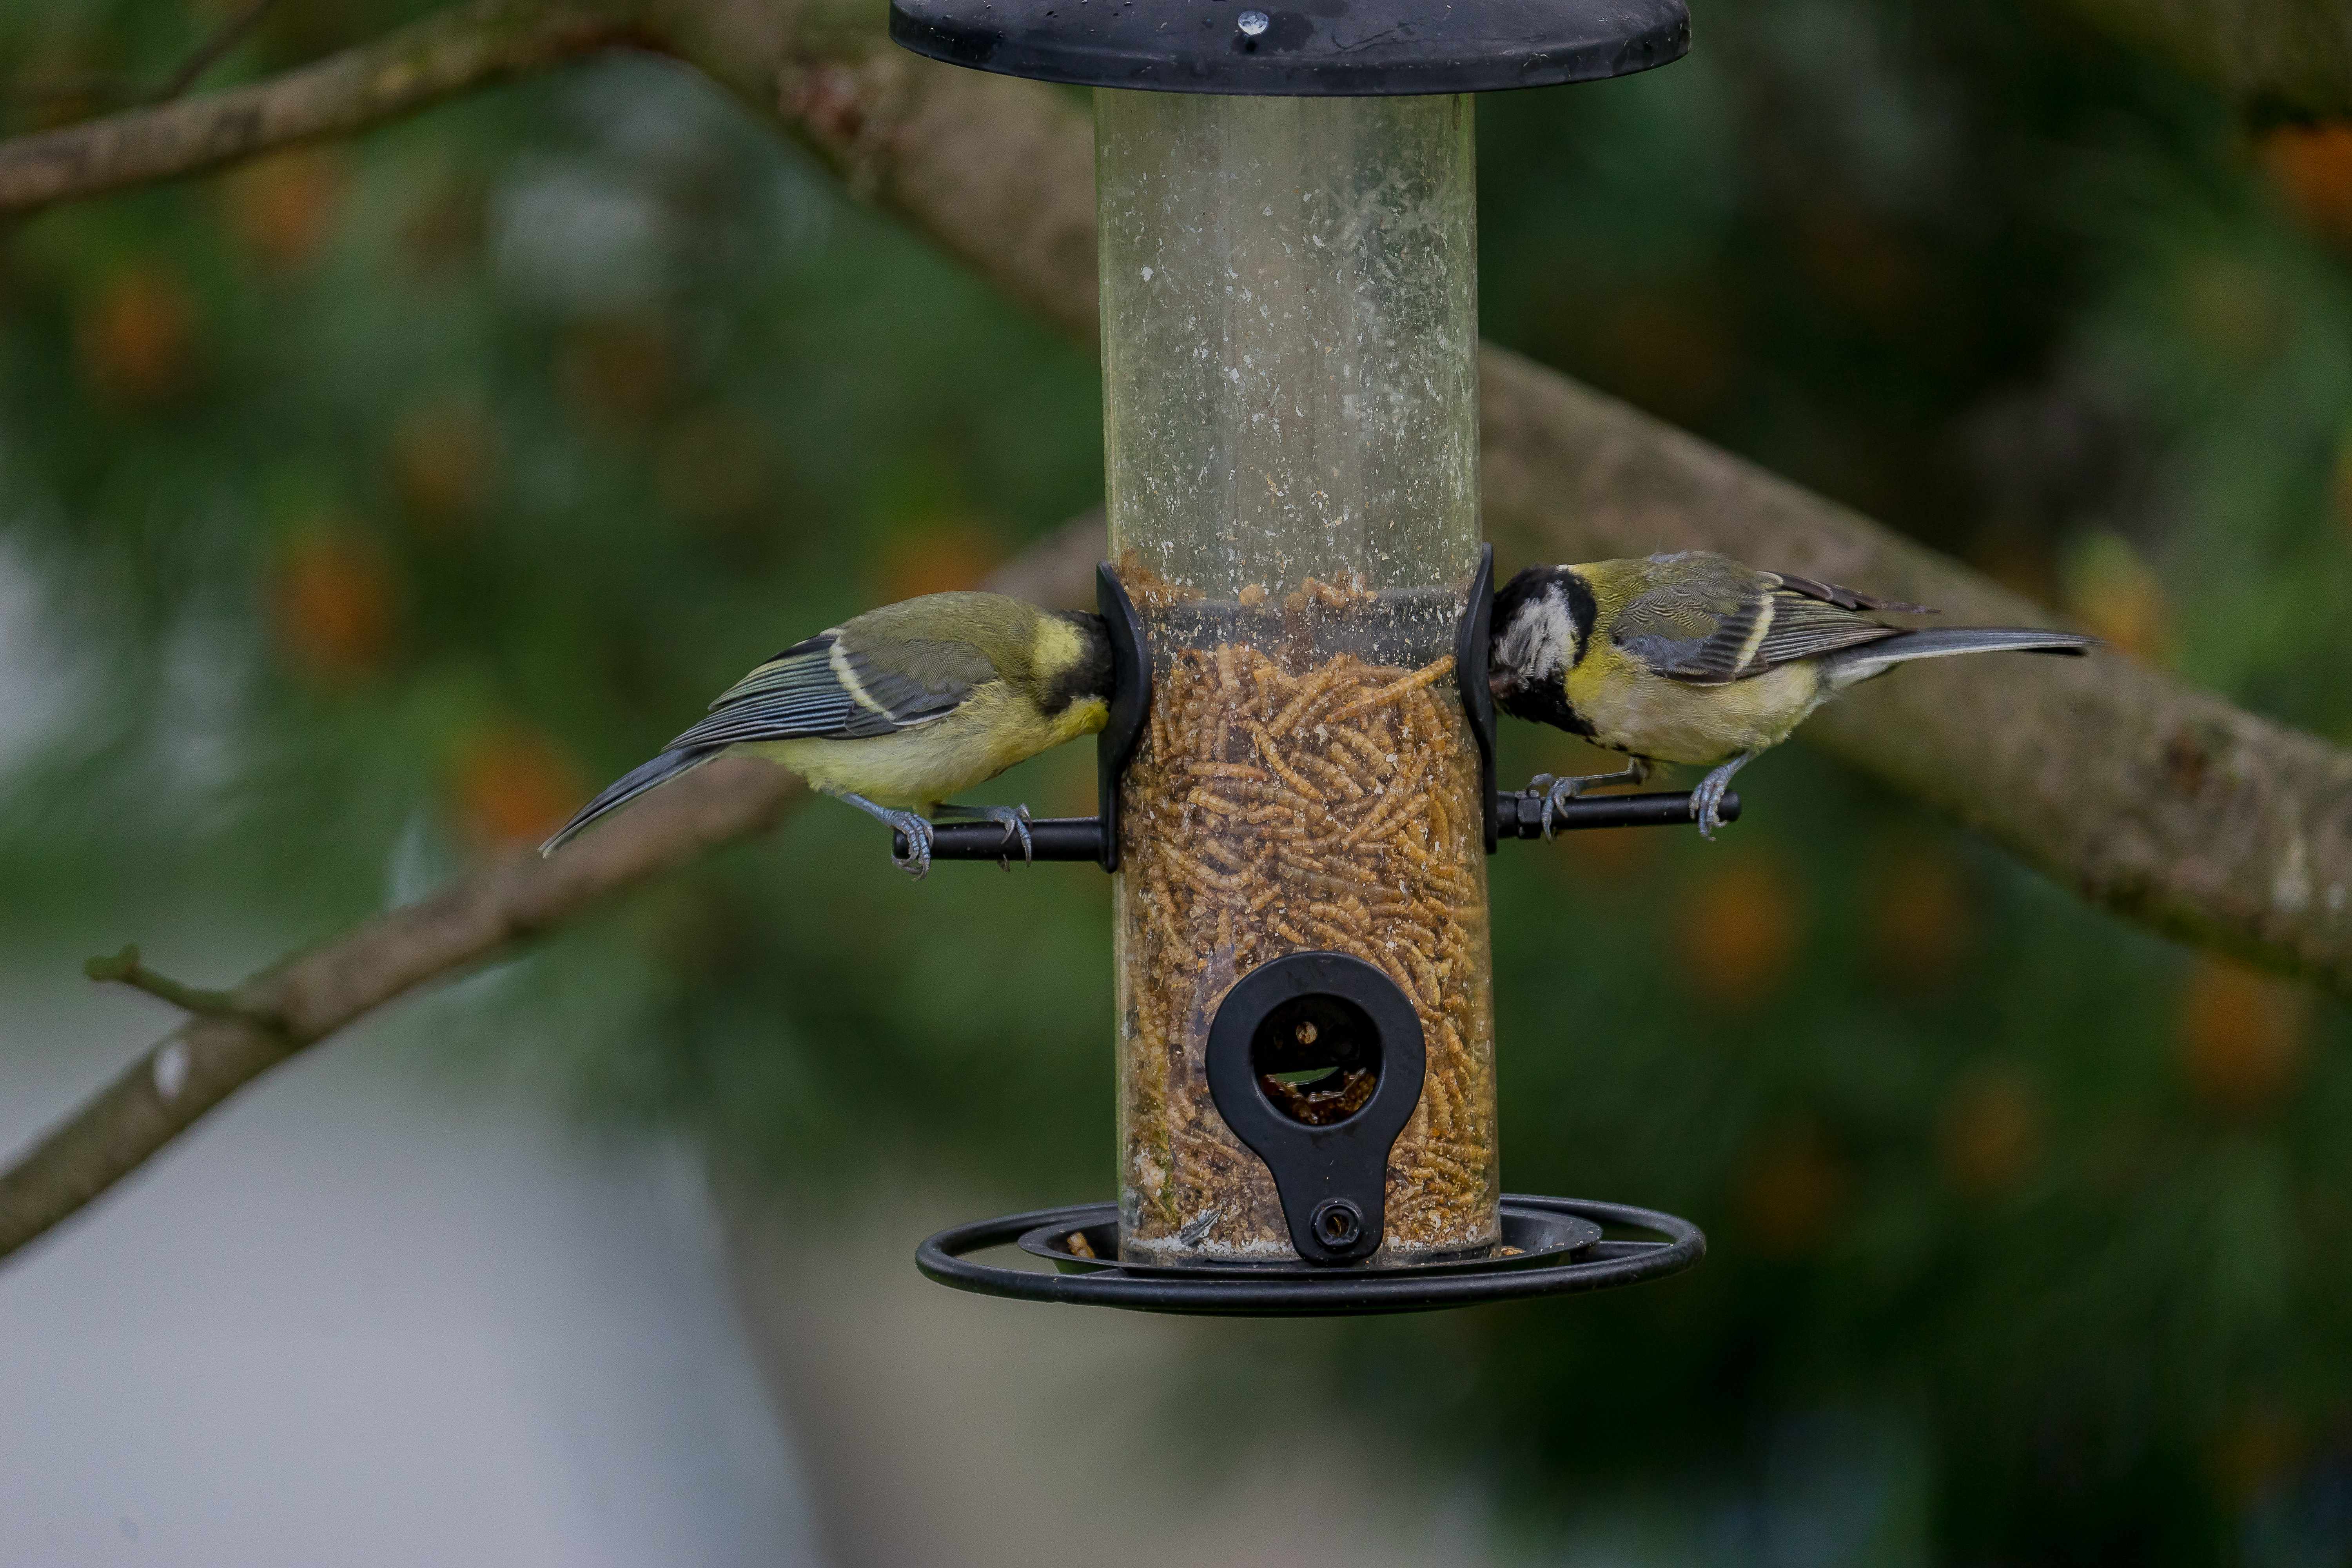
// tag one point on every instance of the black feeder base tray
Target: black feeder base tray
(1557, 1246)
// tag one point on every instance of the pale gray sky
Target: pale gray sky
(354, 1321)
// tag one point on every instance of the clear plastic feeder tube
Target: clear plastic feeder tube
(1289, 364)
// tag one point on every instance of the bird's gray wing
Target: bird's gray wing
(1698, 620)
(1810, 618)
(1846, 598)
(832, 687)
(1710, 622)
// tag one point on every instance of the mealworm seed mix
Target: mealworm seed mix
(1286, 798)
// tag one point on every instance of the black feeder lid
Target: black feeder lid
(1304, 49)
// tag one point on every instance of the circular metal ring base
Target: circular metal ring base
(1299, 1291)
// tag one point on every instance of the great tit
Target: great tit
(903, 707)
(1697, 658)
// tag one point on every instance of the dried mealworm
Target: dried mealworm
(1388, 694)
(1342, 825)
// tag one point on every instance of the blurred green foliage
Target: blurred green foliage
(360, 509)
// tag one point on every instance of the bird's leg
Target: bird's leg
(1558, 793)
(1636, 771)
(1015, 819)
(1708, 796)
(917, 862)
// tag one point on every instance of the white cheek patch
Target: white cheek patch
(1542, 640)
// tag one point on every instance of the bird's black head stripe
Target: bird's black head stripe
(1541, 697)
(1582, 609)
(1091, 676)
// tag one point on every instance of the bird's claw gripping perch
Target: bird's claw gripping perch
(1549, 790)
(1706, 800)
(916, 861)
(1562, 792)
(1016, 819)
(1558, 793)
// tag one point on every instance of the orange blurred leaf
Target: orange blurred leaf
(1741, 927)
(2242, 1036)
(137, 338)
(445, 461)
(283, 207)
(2254, 1451)
(617, 375)
(938, 558)
(1790, 1190)
(335, 603)
(1921, 922)
(2115, 591)
(1992, 1129)
(2312, 166)
(512, 784)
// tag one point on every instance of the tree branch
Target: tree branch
(1003, 180)
(2161, 803)
(422, 64)
(232, 1038)
(225, 37)
(2156, 801)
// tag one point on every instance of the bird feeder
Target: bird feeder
(1297, 779)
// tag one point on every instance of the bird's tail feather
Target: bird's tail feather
(1856, 664)
(630, 785)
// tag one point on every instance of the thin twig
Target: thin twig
(399, 73)
(2162, 802)
(234, 1037)
(2159, 801)
(124, 969)
(230, 1039)
(225, 37)
(116, 90)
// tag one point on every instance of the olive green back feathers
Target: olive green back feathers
(887, 670)
(1602, 650)
(1707, 620)
(892, 669)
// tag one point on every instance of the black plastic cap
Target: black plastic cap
(1473, 646)
(1312, 49)
(1130, 702)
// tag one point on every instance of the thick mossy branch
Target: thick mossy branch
(2156, 801)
